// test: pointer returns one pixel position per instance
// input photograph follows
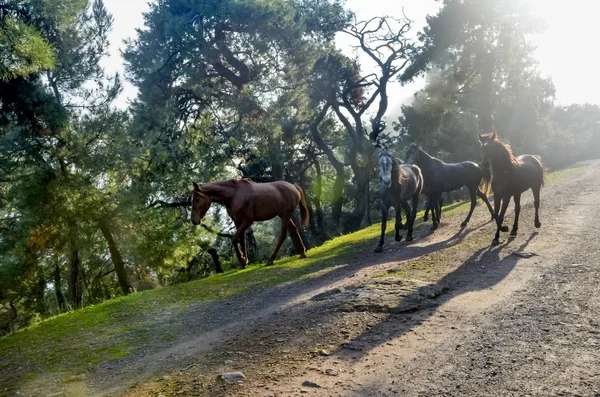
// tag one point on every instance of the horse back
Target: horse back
(412, 183)
(532, 168)
(277, 191)
(441, 176)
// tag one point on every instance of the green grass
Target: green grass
(75, 342)
(565, 173)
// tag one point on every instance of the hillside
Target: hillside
(110, 347)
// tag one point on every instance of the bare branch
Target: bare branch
(346, 122)
(220, 234)
(314, 128)
(164, 204)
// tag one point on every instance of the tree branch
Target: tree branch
(314, 128)
(164, 204)
(220, 234)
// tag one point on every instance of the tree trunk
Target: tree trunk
(338, 197)
(360, 161)
(75, 290)
(60, 298)
(354, 221)
(338, 186)
(116, 257)
(486, 123)
(318, 194)
(216, 261)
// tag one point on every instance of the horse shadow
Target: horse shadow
(467, 277)
(265, 308)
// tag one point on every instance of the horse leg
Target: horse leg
(435, 211)
(285, 223)
(384, 216)
(513, 232)
(536, 203)
(482, 196)
(411, 220)
(428, 207)
(399, 226)
(293, 229)
(500, 217)
(472, 193)
(240, 237)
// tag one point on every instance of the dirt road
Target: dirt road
(447, 315)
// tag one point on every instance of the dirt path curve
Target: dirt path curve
(446, 315)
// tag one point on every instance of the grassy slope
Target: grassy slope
(75, 342)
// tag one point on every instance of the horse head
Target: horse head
(200, 204)
(386, 164)
(487, 142)
(412, 154)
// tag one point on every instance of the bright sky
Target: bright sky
(565, 50)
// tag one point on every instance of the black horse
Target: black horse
(443, 177)
(399, 183)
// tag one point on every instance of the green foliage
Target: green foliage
(94, 200)
(23, 50)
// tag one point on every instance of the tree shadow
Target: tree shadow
(249, 312)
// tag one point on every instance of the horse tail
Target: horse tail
(485, 184)
(421, 180)
(303, 207)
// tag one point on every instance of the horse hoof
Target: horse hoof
(409, 239)
(504, 229)
(302, 256)
(464, 224)
(434, 227)
(398, 239)
(379, 248)
(269, 263)
(425, 218)
(495, 242)
(538, 225)
(513, 233)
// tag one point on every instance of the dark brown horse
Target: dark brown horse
(442, 177)
(399, 184)
(511, 176)
(247, 202)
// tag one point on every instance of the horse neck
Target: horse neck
(502, 163)
(220, 192)
(395, 171)
(425, 160)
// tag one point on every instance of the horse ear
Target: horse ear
(196, 186)
(494, 136)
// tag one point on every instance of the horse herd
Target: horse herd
(401, 183)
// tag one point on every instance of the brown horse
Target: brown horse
(511, 176)
(247, 202)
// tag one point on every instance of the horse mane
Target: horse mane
(507, 152)
(428, 158)
(398, 174)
